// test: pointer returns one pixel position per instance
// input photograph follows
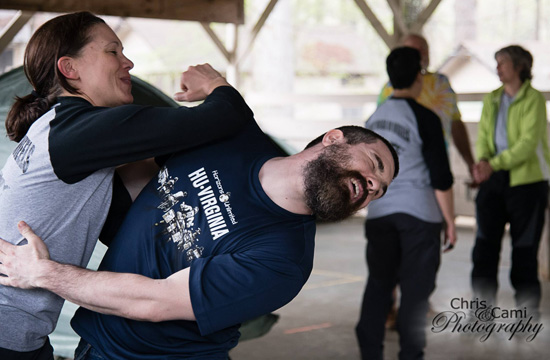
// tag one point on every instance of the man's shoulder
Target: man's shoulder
(292, 229)
(435, 80)
(422, 112)
(288, 225)
(437, 76)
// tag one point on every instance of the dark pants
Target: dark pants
(404, 249)
(85, 351)
(44, 353)
(524, 208)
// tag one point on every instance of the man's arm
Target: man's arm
(445, 200)
(128, 295)
(445, 105)
(462, 143)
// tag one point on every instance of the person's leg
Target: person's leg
(44, 353)
(527, 206)
(392, 314)
(383, 262)
(420, 256)
(491, 219)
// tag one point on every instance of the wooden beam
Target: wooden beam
(376, 24)
(424, 16)
(398, 19)
(10, 30)
(219, 44)
(232, 74)
(257, 27)
(225, 11)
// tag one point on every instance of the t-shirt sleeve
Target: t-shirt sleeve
(231, 288)
(385, 93)
(448, 97)
(107, 137)
(433, 147)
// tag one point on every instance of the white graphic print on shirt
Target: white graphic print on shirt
(179, 223)
(179, 216)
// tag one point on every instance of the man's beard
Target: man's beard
(326, 182)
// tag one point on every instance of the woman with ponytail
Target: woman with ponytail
(73, 130)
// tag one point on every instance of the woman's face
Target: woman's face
(505, 69)
(103, 70)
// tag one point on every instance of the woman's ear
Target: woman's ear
(65, 64)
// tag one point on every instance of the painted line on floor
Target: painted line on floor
(308, 328)
(338, 279)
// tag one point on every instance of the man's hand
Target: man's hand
(20, 264)
(450, 237)
(198, 82)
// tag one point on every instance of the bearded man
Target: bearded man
(223, 233)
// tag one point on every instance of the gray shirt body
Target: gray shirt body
(416, 134)
(68, 216)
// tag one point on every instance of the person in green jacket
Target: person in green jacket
(513, 172)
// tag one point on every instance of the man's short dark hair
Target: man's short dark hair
(357, 135)
(403, 66)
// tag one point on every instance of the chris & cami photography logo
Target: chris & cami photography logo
(477, 317)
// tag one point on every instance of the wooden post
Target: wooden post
(8, 33)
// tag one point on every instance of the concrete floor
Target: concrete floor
(319, 323)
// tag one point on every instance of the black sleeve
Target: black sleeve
(105, 137)
(120, 204)
(434, 150)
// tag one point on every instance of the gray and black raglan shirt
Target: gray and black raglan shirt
(417, 136)
(59, 180)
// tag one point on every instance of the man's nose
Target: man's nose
(373, 184)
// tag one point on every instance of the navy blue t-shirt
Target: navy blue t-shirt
(206, 209)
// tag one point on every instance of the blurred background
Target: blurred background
(310, 65)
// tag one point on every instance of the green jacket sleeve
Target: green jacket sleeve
(530, 124)
(484, 143)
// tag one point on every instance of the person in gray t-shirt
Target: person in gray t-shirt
(404, 228)
(76, 126)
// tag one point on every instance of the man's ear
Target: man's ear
(333, 136)
(66, 66)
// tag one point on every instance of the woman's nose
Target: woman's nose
(128, 63)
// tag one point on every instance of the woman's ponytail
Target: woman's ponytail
(24, 112)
